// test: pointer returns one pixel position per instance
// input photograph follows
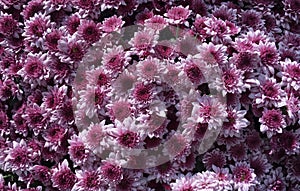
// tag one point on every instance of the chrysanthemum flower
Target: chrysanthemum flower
(51, 39)
(214, 158)
(156, 22)
(71, 49)
(209, 110)
(89, 31)
(19, 157)
(291, 74)
(54, 135)
(178, 14)
(78, 152)
(72, 23)
(114, 59)
(143, 40)
(293, 169)
(253, 140)
(237, 152)
(287, 140)
(235, 122)
(183, 183)
(246, 61)
(8, 25)
(112, 24)
(269, 56)
(260, 164)
(224, 12)
(89, 180)
(35, 29)
(42, 174)
(63, 178)
(120, 110)
(111, 172)
(149, 69)
(143, 92)
(243, 176)
(272, 121)
(268, 93)
(32, 8)
(251, 18)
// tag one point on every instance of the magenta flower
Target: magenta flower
(243, 176)
(63, 178)
(89, 31)
(272, 121)
(178, 14)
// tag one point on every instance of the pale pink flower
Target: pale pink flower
(272, 121)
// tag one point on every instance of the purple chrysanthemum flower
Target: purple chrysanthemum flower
(42, 174)
(178, 14)
(272, 121)
(63, 178)
(214, 158)
(89, 181)
(111, 172)
(243, 176)
(89, 31)
(8, 25)
(112, 24)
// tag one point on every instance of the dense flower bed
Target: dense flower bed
(65, 62)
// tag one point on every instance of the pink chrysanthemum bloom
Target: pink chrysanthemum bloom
(8, 25)
(272, 121)
(224, 179)
(62, 72)
(243, 176)
(233, 81)
(98, 76)
(178, 147)
(193, 71)
(89, 31)
(32, 8)
(95, 136)
(111, 172)
(64, 114)
(35, 29)
(120, 110)
(71, 49)
(143, 41)
(35, 69)
(246, 61)
(78, 152)
(260, 164)
(209, 110)
(217, 29)
(93, 100)
(214, 158)
(42, 174)
(126, 133)
(54, 135)
(54, 97)
(183, 183)
(124, 83)
(212, 54)
(72, 23)
(19, 157)
(156, 22)
(177, 15)
(63, 178)
(268, 93)
(251, 18)
(89, 181)
(143, 92)
(51, 39)
(36, 118)
(275, 181)
(149, 69)
(235, 122)
(269, 56)
(205, 181)
(112, 24)
(291, 74)
(225, 12)
(115, 60)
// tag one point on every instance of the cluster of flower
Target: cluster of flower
(90, 90)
